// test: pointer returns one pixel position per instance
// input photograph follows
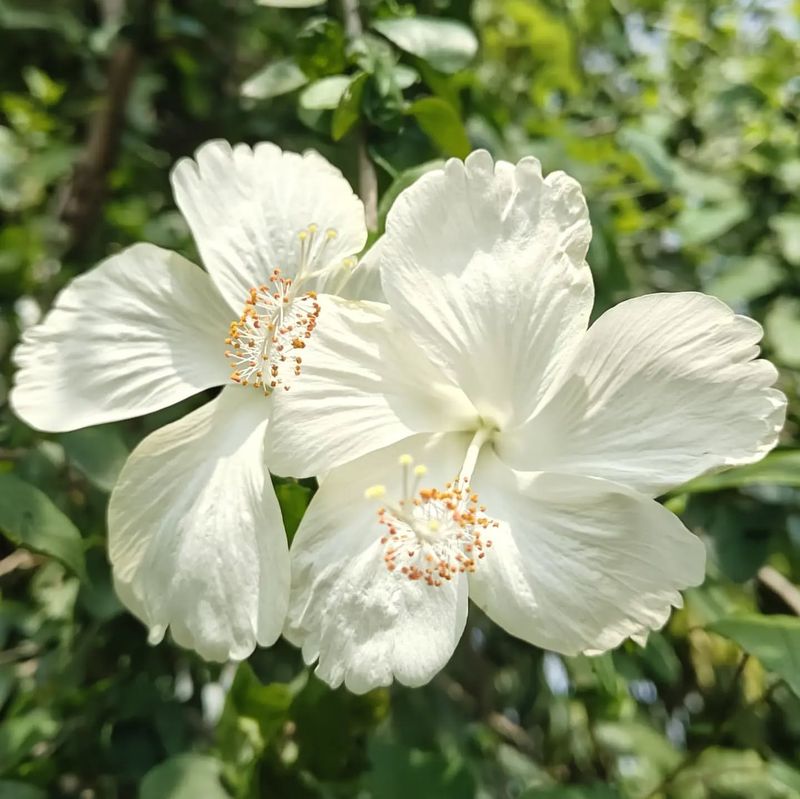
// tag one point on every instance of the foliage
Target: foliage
(679, 117)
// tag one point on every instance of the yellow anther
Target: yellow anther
(420, 470)
(312, 228)
(331, 233)
(302, 235)
(433, 526)
(405, 460)
(375, 492)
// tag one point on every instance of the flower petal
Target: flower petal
(247, 206)
(579, 564)
(365, 624)
(484, 263)
(364, 385)
(663, 388)
(141, 331)
(196, 537)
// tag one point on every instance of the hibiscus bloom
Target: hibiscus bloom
(496, 447)
(196, 537)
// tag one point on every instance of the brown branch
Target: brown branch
(367, 176)
(82, 198)
(785, 589)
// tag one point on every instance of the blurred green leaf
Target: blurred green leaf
(99, 452)
(777, 468)
(280, 77)
(744, 279)
(349, 108)
(20, 790)
(596, 791)
(30, 520)
(782, 327)
(20, 734)
(324, 94)
(447, 45)
(774, 640)
(184, 777)
(702, 225)
(787, 227)
(293, 499)
(442, 124)
(398, 773)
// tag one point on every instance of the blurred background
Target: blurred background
(681, 120)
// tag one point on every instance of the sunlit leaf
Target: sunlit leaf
(29, 519)
(324, 94)
(778, 468)
(774, 640)
(442, 124)
(280, 77)
(184, 777)
(347, 112)
(447, 45)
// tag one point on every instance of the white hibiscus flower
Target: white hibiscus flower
(196, 537)
(509, 452)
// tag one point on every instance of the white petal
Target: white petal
(485, 265)
(247, 206)
(663, 388)
(364, 385)
(367, 625)
(141, 331)
(196, 537)
(579, 564)
(363, 282)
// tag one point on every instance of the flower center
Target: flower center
(278, 319)
(433, 534)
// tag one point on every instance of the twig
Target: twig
(779, 585)
(367, 176)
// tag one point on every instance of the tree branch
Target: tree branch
(367, 177)
(783, 588)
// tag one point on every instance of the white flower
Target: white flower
(508, 453)
(195, 531)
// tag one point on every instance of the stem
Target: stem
(367, 177)
(473, 450)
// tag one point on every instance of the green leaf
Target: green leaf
(293, 499)
(290, 3)
(787, 228)
(651, 152)
(745, 279)
(280, 77)
(778, 468)
(19, 735)
(99, 452)
(774, 640)
(349, 108)
(442, 124)
(447, 45)
(19, 790)
(324, 94)
(398, 772)
(596, 791)
(184, 777)
(267, 704)
(702, 225)
(782, 326)
(29, 519)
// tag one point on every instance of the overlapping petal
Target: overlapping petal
(365, 624)
(579, 564)
(663, 388)
(247, 206)
(141, 331)
(484, 264)
(364, 385)
(196, 537)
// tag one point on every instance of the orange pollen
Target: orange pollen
(435, 535)
(275, 322)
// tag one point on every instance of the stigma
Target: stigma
(431, 534)
(264, 346)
